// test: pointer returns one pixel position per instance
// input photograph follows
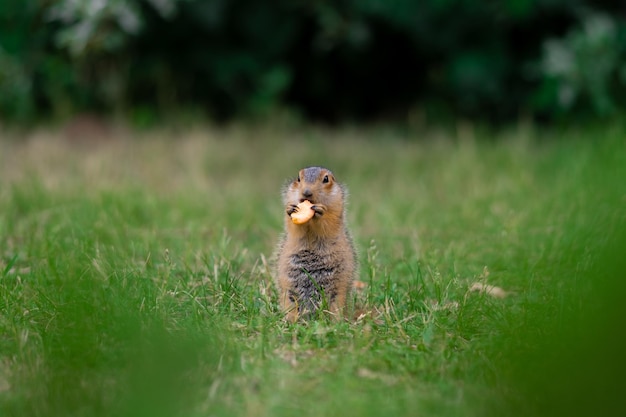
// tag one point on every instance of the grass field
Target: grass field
(135, 274)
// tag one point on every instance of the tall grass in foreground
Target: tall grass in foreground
(135, 276)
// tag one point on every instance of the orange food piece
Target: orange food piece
(304, 213)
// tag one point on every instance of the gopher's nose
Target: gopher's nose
(307, 193)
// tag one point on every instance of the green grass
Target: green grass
(135, 274)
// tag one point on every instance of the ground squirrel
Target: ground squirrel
(316, 261)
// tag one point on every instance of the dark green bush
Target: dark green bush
(329, 60)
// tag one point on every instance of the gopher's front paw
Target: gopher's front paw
(291, 208)
(319, 209)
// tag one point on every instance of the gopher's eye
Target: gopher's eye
(298, 178)
(325, 180)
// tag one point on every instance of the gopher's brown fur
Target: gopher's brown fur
(316, 261)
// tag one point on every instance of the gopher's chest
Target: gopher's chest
(314, 277)
(307, 265)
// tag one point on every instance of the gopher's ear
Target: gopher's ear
(300, 176)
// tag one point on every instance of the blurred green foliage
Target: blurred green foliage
(326, 60)
(569, 360)
(586, 67)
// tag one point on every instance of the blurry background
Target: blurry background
(331, 61)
